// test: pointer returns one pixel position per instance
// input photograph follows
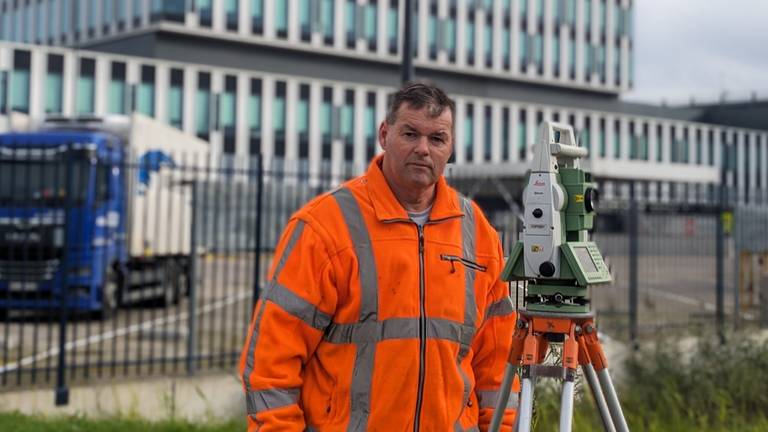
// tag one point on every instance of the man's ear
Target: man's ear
(383, 131)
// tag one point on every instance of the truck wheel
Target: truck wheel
(109, 299)
(171, 286)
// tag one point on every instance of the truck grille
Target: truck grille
(28, 271)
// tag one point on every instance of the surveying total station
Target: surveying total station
(558, 265)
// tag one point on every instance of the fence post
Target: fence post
(634, 234)
(62, 390)
(720, 255)
(192, 304)
(257, 259)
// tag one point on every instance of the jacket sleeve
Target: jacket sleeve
(491, 347)
(288, 322)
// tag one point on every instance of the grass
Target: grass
(15, 422)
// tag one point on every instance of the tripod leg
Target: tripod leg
(501, 404)
(525, 413)
(566, 401)
(597, 394)
(613, 401)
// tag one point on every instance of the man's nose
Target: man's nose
(422, 146)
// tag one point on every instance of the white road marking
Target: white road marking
(146, 325)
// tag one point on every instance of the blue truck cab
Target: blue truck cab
(63, 204)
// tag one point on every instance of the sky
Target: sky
(700, 48)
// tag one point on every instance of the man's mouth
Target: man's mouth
(421, 165)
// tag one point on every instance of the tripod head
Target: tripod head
(555, 255)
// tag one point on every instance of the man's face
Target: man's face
(416, 147)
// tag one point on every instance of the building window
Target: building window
(278, 119)
(392, 26)
(86, 86)
(117, 89)
(523, 49)
(759, 162)
(326, 20)
(540, 11)
(20, 81)
(674, 147)
(281, 18)
(618, 20)
(303, 121)
(370, 126)
(54, 84)
(506, 53)
(522, 125)
(326, 123)
(39, 24)
(257, 16)
(488, 41)
(488, 141)
(602, 16)
(556, 54)
(371, 27)
(601, 138)
(469, 133)
(450, 33)
(659, 143)
(254, 117)
(176, 99)
(699, 148)
(685, 147)
(711, 148)
(470, 41)
(305, 19)
(3, 91)
(348, 125)
(523, 10)
(232, 15)
(587, 15)
(505, 134)
(617, 64)
(432, 28)
(572, 58)
(138, 5)
(538, 52)
(586, 140)
(203, 105)
(617, 139)
(350, 21)
(601, 66)
(120, 12)
(145, 96)
(205, 12)
(228, 113)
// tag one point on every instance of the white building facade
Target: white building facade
(298, 81)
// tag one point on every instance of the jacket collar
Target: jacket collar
(387, 207)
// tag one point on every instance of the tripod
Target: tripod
(581, 347)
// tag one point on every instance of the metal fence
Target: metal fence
(112, 269)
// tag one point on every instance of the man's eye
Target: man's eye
(410, 134)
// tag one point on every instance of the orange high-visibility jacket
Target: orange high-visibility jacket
(372, 323)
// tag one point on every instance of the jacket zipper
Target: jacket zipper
(422, 330)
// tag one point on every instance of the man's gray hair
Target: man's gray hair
(419, 95)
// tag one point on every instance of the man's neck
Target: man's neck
(414, 201)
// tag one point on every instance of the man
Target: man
(384, 310)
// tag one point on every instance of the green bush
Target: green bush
(711, 387)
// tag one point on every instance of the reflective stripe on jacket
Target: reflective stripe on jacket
(371, 323)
